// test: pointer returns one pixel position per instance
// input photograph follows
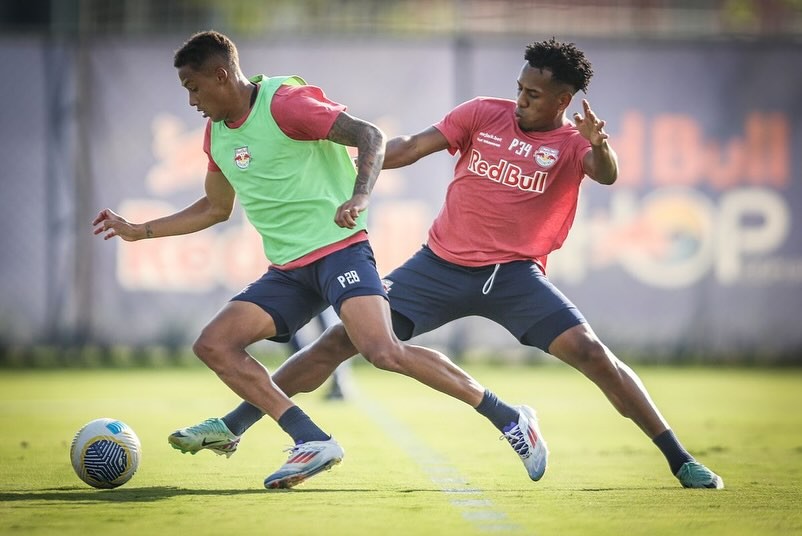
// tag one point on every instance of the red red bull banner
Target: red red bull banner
(695, 252)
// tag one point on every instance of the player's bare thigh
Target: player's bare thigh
(238, 324)
(369, 325)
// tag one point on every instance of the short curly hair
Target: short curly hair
(567, 63)
(202, 46)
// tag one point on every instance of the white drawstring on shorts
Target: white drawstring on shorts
(488, 286)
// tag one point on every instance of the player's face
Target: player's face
(206, 91)
(541, 100)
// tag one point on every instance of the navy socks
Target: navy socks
(242, 417)
(294, 421)
(675, 453)
(497, 411)
(300, 427)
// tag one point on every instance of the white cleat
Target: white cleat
(527, 441)
(306, 460)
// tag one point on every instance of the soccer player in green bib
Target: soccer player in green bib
(279, 146)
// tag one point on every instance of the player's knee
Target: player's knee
(593, 358)
(336, 344)
(209, 350)
(387, 356)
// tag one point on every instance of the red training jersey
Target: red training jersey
(514, 193)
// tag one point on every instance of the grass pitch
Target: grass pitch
(416, 461)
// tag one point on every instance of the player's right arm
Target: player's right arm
(405, 150)
(214, 207)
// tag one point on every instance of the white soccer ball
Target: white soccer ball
(105, 453)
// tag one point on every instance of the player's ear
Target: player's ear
(221, 74)
(565, 99)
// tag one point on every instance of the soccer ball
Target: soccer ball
(105, 453)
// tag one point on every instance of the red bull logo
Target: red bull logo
(507, 174)
(386, 284)
(546, 156)
(242, 158)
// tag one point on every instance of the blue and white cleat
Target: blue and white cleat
(696, 475)
(527, 441)
(306, 460)
(211, 434)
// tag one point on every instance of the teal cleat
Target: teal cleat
(306, 460)
(527, 441)
(211, 434)
(696, 475)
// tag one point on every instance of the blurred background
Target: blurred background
(694, 255)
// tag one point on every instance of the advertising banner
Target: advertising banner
(696, 250)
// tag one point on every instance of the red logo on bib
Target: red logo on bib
(242, 157)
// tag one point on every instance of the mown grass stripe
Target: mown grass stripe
(479, 511)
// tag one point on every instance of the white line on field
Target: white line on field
(476, 508)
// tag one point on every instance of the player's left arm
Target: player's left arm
(370, 143)
(601, 162)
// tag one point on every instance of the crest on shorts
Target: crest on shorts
(386, 283)
(546, 156)
(242, 157)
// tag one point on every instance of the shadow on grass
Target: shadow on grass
(76, 495)
(156, 493)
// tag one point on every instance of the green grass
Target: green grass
(429, 466)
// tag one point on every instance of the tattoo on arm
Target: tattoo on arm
(148, 231)
(345, 130)
(353, 132)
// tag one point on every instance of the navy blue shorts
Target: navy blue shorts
(294, 297)
(427, 292)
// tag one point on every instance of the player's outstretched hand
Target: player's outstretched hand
(590, 126)
(111, 224)
(348, 212)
